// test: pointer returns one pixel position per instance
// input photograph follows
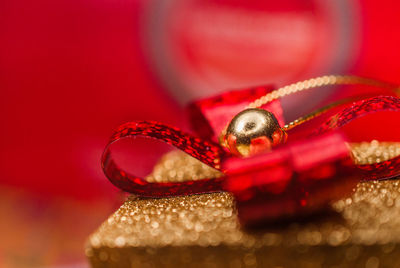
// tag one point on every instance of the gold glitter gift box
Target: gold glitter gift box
(203, 231)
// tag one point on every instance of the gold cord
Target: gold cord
(326, 80)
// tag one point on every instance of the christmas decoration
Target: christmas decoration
(270, 179)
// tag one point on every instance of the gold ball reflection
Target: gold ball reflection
(253, 131)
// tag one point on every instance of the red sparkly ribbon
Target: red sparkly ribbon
(296, 178)
(385, 169)
(206, 151)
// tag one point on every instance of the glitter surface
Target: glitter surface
(203, 231)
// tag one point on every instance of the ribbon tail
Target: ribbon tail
(382, 170)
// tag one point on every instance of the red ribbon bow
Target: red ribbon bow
(297, 178)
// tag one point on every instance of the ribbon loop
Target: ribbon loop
(205, 151)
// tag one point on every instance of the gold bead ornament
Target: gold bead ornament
(253, 131)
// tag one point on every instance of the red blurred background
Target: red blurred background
(72, 71)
